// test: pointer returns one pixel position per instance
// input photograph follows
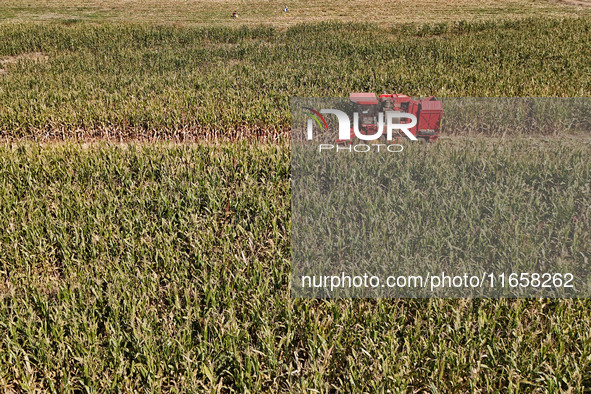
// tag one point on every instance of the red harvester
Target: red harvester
(428, 111)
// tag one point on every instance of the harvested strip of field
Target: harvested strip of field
(255, 12)
(167, 266)
(127, 81)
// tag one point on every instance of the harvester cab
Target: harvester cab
(367, 107)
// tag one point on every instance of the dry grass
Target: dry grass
(217, 12)
(576, 3)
